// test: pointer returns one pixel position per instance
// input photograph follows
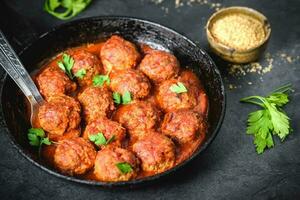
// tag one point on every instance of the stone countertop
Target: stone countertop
(230, 167)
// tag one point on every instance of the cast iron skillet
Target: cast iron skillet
(100, 28)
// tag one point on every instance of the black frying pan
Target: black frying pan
(99, 28)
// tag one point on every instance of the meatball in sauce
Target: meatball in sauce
(119, 54)
(138, 117)
(132, 81)
(112, 131)
(193, 98)
(156, 151)
(87, 64)
(74, 156)
(60, 115)
(99, 133)
(159, 66)
(107, 161)
(96, 102)
(184, 126)
(53, 81)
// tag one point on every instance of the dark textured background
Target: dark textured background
(230, 167)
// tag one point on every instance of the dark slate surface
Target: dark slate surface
(230, 168)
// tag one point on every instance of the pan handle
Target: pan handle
(13, 66)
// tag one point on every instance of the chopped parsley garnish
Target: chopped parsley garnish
(124, 99)
(271, 120)
(37, 137)
(99, 139)
(99, 80)
(178, 88)
(80, 73)
(124, 167)
(70, 8)
(66, 64)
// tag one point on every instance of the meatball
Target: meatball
(172, 101)
(87, 63)
(110, 129)
(108, 160)
(119, 54)
(132, 81)
(156, 151)
(53, 81)
(59, 115)
(96, 102)
(138, 117)
(159, 66)
(183, 126)
(202, 99)
(74, 156)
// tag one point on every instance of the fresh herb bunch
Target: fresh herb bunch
(70, 8)
(271, 120)
(37, 137)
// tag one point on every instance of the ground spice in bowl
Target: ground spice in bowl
(238, 34)
(239, 31)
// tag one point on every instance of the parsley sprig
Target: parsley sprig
(70, 8)
(99, 139)
(271, 120)
(66, 64)
(178, 88)
(124, 98)
(37, 137)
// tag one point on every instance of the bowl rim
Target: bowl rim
(240, 9)
(120, 183)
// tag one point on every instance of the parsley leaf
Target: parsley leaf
(99, 80)
(81, 73)
(37, 137)
(99, 139)
(117, 97)
(66, 64)
(126, 97)
(263, 124)
(124, 167)
(178, 88)
(70, 7)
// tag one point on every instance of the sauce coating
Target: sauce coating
(152, 133)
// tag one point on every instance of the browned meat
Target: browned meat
(74, 156)
(119, 54)
(138, 117)
(108, 128)
(159, 66)
(96, 102)
(172, 101)
(156, 151)
(132, 81)
(53, 81)
(183, 126)
(88, 62)
(106, 165)
(59, 115)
